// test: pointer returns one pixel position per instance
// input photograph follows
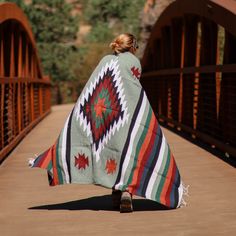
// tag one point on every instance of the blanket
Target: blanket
(112, 138)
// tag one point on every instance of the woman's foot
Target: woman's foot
(116, 196)
(126, 202)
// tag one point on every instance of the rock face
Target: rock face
(151, 11)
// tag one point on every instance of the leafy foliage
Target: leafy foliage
(112, 17)
(52, 21)
(104, 10)
(55, 30)
(89, 56)
(20, 3)
(100, 33)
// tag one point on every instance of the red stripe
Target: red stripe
(47, 159)
(42, 159)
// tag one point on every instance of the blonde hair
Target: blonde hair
(123, 43)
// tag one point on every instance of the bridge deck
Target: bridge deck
(30, 207)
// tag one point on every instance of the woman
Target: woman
(112, 137)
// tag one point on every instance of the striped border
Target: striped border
(125, 156)
(154, 173)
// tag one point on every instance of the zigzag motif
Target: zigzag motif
(101, 129)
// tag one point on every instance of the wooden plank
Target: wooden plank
(26, 61)
(12, 55)
(196, 76)
(19, 107)
(180, 107)
(2, 112)
(32, 102)
(2, 71)
(40, 100)
(20, 57)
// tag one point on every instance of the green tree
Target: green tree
(132, 18)
(55, 31)
(105, 10)
(20, 3)
(109, 18)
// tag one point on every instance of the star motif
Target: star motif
(111, 166)
(135, 72)
(100, 107)
(81, 162)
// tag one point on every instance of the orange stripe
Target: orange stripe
(167, 181)
(141, 154)
(46, 161)
(54, 164)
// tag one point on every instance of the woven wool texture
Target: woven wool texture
(112, 138)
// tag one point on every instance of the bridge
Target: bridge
(190, 80)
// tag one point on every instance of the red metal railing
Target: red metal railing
(24, 92)
(189, 70)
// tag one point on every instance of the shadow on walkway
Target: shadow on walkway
(103, 203)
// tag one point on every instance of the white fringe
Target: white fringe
(183, 203)
(31, 160)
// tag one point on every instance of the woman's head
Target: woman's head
(124, 43)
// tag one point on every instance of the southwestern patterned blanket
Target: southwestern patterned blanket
(112, 138)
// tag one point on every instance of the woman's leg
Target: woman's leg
(116, 196)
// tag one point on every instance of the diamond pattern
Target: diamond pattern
(101, 109)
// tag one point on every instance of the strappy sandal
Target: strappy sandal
(126, 202)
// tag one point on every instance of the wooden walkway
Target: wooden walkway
(30, 207)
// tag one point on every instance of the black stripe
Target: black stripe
(68, 145)
(129, 134)
(50, 179)
(176, 192)
(153, 164)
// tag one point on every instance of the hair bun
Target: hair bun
(114, 45)
(123, 43)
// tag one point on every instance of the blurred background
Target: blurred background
(73, 35)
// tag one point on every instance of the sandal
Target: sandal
(126, 202)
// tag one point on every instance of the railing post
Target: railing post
(206, 118)
(227, 116)
(182, 46)
(40, 100)
(20, 56)
(189, 60)
(175, 56)
(2, 87)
